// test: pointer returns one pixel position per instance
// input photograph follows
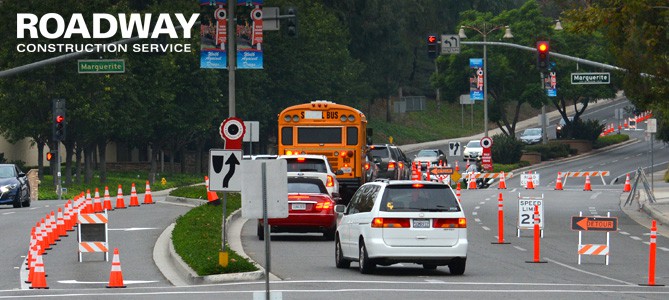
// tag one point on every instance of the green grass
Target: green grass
(48, 191)
(197, 238)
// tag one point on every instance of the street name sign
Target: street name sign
(590, 78)
(101, 66)
(594, 224)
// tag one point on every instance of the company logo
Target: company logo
(53, 26)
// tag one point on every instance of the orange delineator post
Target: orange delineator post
(148, 199)
(500, 221)
(537, 238)
(457, 191)
(651, 259)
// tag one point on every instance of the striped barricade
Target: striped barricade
(488, 175)
(93, 234)
(593, 249)
(601, 175)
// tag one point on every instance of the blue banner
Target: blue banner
(476, 79)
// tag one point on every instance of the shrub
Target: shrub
(506, 150)
(509, 167)
(604, 141)
(583, 130)
(550, 150)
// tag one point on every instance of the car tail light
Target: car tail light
(449, 223)
(391, 166)
(327, 204)
(417, 185)
(391, 223)
(301, 159)
(401, 164)
(367, 166)
(330, 182)
(297, 197)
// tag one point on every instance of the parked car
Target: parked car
(392, 162)
(314, 166)
(560, 125)
(390, 222)
(14, 186)
(472, 150)
(433, 156)
(310, 209)
(531, 136)
(260, 156)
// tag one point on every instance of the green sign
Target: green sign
(590, 78)
(99, 66)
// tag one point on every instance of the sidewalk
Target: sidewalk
(659, 210)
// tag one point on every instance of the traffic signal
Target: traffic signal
(432, 45)
(292, 22)
(543, 50)
(59, 126)
(49, 156)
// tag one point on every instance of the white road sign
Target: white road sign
(450, 44)
(224, 170)
(526, 213)
(525, 176)
(651, 126)
(276, 188)
(454, 149)
(252, 133)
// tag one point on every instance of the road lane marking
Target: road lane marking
(586, 272)
(520, 248)
(477, 207)
(474, 213)
(434, 281)
(624, 232)
(647, 243)
(106, 282)
(636, 238)
(485, 228)
(477, 220)
(663, 249)
(482, 202)
(8, 213)
(615, 161)
(594, 196)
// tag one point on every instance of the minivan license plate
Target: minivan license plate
(299, 206)
(421, 223)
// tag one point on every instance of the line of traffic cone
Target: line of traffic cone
(116, 276)
(107, 202)
(502, 182)
(120, 202)
(558, 183)
(587, 186)
(60, 224)
(148, 199)
(39, 275)
(628, 187)
(134, 200)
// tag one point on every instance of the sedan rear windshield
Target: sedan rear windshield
(418, 197)
(381, 152)
(306, 187)
(306, 165)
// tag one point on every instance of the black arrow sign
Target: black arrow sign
(455, 41)
(232, 161)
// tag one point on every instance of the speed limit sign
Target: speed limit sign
(526, 213)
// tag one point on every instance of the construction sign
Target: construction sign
(441, 171)
(594, 224)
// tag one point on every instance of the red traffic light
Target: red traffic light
(60, 119)
(431, 38)
(49, 156)
(542, 47)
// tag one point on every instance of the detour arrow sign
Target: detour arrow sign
(594, 224)
(441, 171)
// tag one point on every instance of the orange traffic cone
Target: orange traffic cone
(457, 168)
(116, 276)
(627, 187)
(97, 206)
(88, 209)
(530, 183)
(34, 252)
(107, 202)
(587, 187)
(502, 182)
(60, 224)
(148, 199)
(134, 200)
(414, 172)
(558, 183)
(120, 203)
(472, 182)
(212, 197)
(39, 276)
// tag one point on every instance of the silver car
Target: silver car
(531, 136)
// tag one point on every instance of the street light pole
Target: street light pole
(484, 33)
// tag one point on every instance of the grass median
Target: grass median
(197, 234)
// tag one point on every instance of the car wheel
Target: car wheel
(340, 261)
(429, 266)
(17, 201)
(366, 265)
(261, 232)
(26, 202)
(457, 266)
(329, 234)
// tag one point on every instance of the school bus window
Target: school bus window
(351, 136)
(319, 135)
(287, 136)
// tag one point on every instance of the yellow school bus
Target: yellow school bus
(326, 128)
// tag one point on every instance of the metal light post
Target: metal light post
(484, 32)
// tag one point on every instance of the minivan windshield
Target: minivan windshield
(419, 197)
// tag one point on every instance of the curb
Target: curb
(185, 273)
(655, 213)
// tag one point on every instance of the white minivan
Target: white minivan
(402, 221)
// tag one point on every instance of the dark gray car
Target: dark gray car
(391, 161)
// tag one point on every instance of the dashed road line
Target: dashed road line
(481, 202)
(663, 249)
(477, 207)
(624, 232)
(636, 238)
(477, 220)
(8, 213)
(485, 228)
(474, 213)
(520, 248)
(434, 281)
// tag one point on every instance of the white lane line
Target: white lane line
(8, 213)
(105, 282)
(474, 213)
(636, 238)
(647, 243)
(639, 154)
(615, 161)
(519, 248)
(482, 202)
(514, 190)
(485, 228)
(477, 220)
(434, 281)
(627, 157)
(592, 208)
(594, 196)
(602, 164)
(624, 232)
(589, 273)
(663, 249)
(477, 207)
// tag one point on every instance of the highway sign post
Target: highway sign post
(582, 223)
(526, 213)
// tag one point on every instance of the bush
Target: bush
(550, 151)
(506, 150)
(506, 168)
(583, 130)
(604, 141)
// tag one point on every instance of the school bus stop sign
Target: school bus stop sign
(594, 224)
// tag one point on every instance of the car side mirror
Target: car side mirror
(339, 172)
(340, 209)
(21, 174)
